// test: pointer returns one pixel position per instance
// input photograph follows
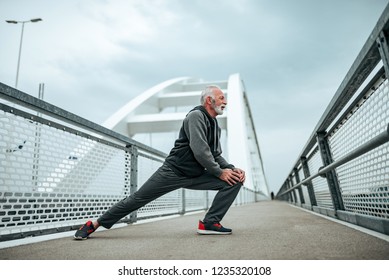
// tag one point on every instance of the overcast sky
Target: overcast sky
(95, 56)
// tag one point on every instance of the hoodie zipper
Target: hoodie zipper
(215, 135)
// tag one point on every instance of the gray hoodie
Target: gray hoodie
(198, 146)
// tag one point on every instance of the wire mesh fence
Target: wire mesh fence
(347, 155)
(57, 171)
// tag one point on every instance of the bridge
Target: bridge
(59, 170)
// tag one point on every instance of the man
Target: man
(195, 162)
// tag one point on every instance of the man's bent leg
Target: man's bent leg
(223, 199)
(221, 203)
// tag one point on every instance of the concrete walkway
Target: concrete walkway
(263, 231)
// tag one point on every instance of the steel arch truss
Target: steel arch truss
(155, 117)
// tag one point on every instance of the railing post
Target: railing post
(290, 185)
(183, 204)
(133, 178)
(383, 48)
(331, 176)
(284, 188)
(290, 197)
(296, 174)
(127, 172)
(309, 185)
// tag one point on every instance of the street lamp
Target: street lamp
(21, 41)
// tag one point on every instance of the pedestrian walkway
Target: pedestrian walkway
(269, 230)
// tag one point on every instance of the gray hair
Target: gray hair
(208, 91)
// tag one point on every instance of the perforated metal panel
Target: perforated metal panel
(58, 170)
(197, 200)
(364, 182)
(51, 178)
(353, 134)
(320, 186)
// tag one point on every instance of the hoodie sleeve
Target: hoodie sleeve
(221, 160)
(223, 163)
(196, 129)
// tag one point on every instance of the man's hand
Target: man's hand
(233, 176)
(242, 174)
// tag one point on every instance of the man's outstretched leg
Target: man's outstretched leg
(160, 183)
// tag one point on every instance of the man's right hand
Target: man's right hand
(230, 176)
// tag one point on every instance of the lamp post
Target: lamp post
(21, 42)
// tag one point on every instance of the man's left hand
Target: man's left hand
(241, 174)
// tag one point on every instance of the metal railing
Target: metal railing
(343, 170)
(58, 170)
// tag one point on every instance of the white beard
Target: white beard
(218, 109)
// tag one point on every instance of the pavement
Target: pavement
(270, 230)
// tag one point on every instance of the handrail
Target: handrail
(29, 101)
(377, 141)
(363, 65)
(60, 170)
(354, 120)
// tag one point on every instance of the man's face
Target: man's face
(219, 102)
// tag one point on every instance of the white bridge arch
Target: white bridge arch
(155, 117)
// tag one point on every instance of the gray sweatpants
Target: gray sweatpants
(163, 181)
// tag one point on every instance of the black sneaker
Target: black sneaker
(84, 231)
(212, 228)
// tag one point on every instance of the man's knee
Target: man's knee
(233, 188)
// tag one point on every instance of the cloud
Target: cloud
(292, 55)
